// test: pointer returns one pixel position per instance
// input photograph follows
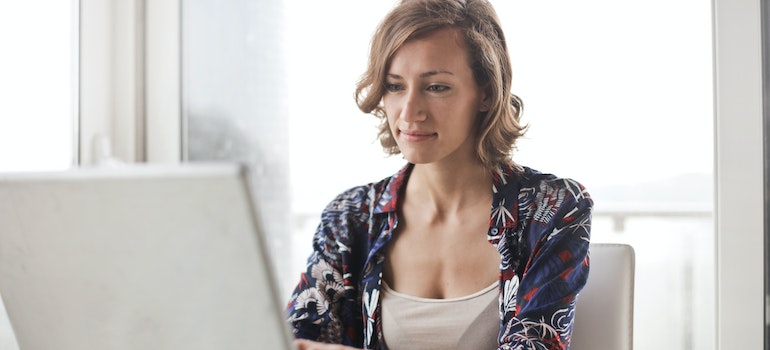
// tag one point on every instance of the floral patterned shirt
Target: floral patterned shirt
(539, 223)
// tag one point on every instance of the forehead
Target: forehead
(442, 47)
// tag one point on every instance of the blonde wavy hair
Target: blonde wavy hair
(477, 21)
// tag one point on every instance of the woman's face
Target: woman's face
(432, 101)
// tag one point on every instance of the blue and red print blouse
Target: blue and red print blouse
(538, 222)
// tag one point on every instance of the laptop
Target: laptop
(138, 257)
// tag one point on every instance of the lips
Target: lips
(416, 135)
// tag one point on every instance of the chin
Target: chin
(418, 159)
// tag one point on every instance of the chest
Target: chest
(441, 259)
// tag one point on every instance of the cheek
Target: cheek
(387, 105)
(390, 113)
(391, 122)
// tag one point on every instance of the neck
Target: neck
(449, 190)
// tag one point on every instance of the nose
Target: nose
(413, 107)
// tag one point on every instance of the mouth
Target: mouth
(416, 135)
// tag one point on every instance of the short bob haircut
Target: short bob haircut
(477, 21)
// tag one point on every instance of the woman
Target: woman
(462, 248)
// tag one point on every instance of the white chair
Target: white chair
(604, 317)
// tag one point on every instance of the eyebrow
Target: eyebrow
(423, 75)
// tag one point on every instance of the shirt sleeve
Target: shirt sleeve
(557, 235)
(324, 306)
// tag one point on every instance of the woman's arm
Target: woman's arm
(556, 270)
(324, 306)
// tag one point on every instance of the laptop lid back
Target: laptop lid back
(137, 257)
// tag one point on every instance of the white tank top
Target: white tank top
(469, 322)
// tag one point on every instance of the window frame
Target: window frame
(738, 173)
(129, 88)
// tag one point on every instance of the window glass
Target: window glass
(234, 100)
(36, 111)
(618, 96)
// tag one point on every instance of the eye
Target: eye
(438, 88)
(393, 87)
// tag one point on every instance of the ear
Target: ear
(485, 102)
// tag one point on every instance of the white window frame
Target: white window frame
(163, 94)
(129, 80)
(108, 80)
(739, 174)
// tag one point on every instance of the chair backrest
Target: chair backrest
(604, 315)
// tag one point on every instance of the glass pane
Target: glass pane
(36, 111)
(235, 100)
(625, 107)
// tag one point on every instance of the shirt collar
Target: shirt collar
(388, 200)
(504, 211)
(506, 184)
